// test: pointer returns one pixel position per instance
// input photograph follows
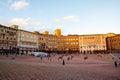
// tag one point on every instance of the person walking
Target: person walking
(41, 58)
(71, 57)
(63, 62)
(115, 63)
(68, 58)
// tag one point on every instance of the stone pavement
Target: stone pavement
(27, 67)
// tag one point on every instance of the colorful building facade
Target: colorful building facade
(72, 43)
(93, 43)
(24, 42)
(113, 44)
(27, 42)
(8, 39)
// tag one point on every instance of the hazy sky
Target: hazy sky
(72, 16)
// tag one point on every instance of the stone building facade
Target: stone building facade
(113, 44)
(8, 40)
(27, 42)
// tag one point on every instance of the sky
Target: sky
(71, 16)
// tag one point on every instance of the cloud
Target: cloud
(27, 24)
(4, 22)
(36, 24)
(68, 19)
(19, 4)
(19, 21)
(23, 23)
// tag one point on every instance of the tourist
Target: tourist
(68, 58)
(115, 63)
(71, 57)
(63, 62)
(41, 58)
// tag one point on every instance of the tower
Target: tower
(57, 32)
(45, 32)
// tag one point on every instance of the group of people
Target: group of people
(116, 63)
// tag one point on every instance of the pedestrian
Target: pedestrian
(41, 58)
(71, 57)
(6, 54)
(63, 62)
(115, 64)
(85, 58)
(15, 54)
(50, 59)
(68, 58)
